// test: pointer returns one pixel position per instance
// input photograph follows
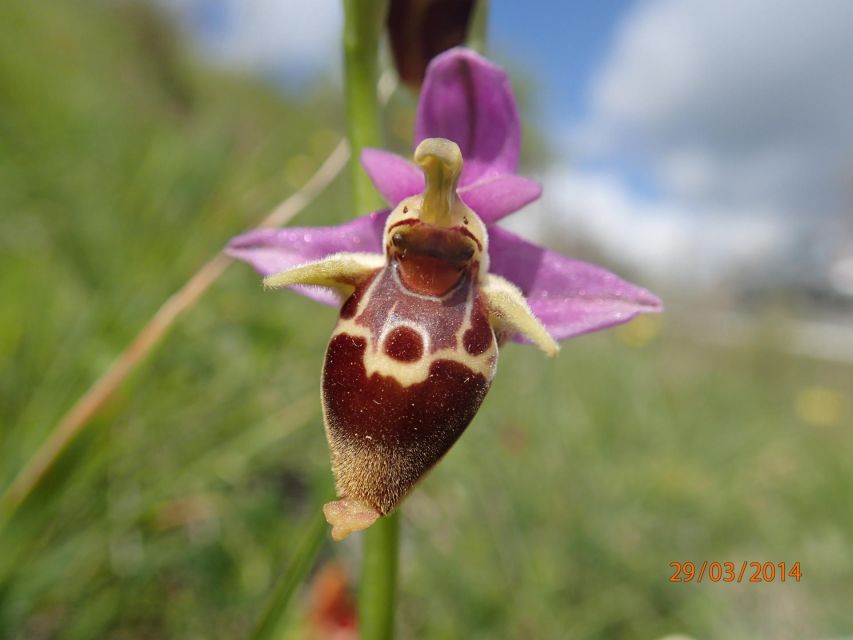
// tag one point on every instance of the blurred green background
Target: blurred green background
(124, 165)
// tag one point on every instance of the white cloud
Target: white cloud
(753, 97)
(291, 38)
(739, 112)
(660, 239)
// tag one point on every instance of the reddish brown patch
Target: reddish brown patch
(428, 275)
(404, 344)
(351, 305)
(479, 337)
(385, 436)
(381, 407)
(432, 259)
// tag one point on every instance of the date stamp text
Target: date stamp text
(745, 571)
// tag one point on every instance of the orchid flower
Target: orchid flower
(431, 288)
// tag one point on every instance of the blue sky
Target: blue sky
(565, 42)
(702, 140)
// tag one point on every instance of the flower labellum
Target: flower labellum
(431, 289)
(415, 348)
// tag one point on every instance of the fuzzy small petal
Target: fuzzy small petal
(469, 100)
(394, 177)
(495, 198)
(271, 251)
(568, 296)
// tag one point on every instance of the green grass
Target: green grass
(123, 166)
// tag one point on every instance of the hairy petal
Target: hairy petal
(495, 198)
(394, 177)
(568, 296)
(469, 100)
(271, 251)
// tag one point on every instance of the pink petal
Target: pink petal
(494, 198)
(394, 177)
(469, 100)
(570, 297)
(273, 250)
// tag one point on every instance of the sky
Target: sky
(697, 141)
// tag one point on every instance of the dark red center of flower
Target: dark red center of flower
(431, 259)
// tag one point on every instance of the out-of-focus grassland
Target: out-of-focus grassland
(123, 166)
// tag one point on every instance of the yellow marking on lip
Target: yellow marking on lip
(409, 373)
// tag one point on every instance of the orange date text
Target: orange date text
(745, 571)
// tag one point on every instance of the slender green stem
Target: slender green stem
(377, 600)
(478, 28)
(270, 623)
(364, 21)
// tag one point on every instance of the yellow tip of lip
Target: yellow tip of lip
(348, 516)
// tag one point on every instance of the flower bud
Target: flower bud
(421, 29)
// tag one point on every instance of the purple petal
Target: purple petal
(273, 250)
(494, 198)
(469, 100)
(395, 178)
(570, 297)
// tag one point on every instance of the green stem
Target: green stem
(376, 598)
(270, 623)
(478, 28)
(364, 22)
